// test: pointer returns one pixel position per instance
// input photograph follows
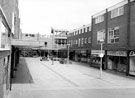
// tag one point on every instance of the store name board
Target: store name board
(97, 52)
(132, 53)
(117, 53)
(83, 51)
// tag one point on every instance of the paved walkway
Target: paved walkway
(40, 79)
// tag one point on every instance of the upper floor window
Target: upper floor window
(84, 30)
(100, 36)
(78, 32)
(117, 12)
(76, 42)
(90, 28)
(82, 42)
(81, 31)
(99, 19)
(85, 40)
(113, 35)
(87, 29)
(79, 42)
(89, 40)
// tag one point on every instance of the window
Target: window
(117, 12)
(90, 28)
(81, 31)
(76, 42)
(85, 40)
(100, 36)
(89, 40)
(45, 43)
(32, 35)
(79, 42)
(113, 35)
(78, 32)
(87, 29)
(65, 41)
(84, 30)
(82, 42)
(99, 19)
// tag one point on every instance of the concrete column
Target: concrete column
(6, 39)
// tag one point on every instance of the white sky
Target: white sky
(40, 15)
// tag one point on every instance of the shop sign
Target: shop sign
(117, 53)
(83, 51)
(97, 52)
(132, 53)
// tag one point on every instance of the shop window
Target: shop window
(117, 12)
(99, 19)
(113, 35)
(123, 60)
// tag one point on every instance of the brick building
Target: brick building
(116, 26)
(80, 43)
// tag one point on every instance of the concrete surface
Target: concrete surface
(41, 79)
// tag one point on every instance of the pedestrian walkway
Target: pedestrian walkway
(41, 79)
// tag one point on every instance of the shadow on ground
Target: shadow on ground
(22, 74)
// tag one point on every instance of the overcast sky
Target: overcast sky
(40, 15)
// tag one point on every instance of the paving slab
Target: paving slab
(67, 81)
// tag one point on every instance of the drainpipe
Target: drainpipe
(106, 37)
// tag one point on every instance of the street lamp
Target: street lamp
(68, 54)
(52, 31)
(101, 56)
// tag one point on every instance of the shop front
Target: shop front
(117, 60)
(77, 55)
(95, 58)
(83, 56)
(132, 63)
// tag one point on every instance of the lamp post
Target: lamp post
(101, 56)
(68, 54)
(52, 31)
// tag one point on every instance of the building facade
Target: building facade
(5, 46)
(79, 41)
(111, 34)
(59, 45)
(115, 26)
